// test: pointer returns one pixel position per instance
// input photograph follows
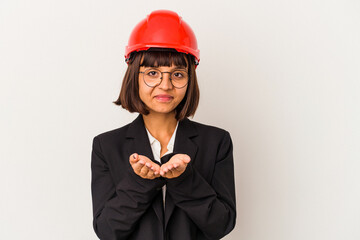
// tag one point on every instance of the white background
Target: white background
(281, 76)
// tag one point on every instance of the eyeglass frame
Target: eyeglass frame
(169, 79)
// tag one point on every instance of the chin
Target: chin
(164, 111)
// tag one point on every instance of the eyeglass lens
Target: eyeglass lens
(153, 77)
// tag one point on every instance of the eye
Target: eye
(152, 73)
(178, 74)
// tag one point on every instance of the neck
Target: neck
(160, 125)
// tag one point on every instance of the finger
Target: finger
(169, 174)
(150, 174)
(134, 158)
(137, 167)
(144, 171)
(155, 170)
(149, 165)
(156, 173)
(162, 173)
(171, 167)
(179, 167)
(152, 169)
(186, 158)
(165, 170)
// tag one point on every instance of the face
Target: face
(163, 98)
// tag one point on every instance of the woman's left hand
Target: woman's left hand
(175, 166)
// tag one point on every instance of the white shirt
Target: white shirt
(156, 149)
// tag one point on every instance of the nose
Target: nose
(166, 82)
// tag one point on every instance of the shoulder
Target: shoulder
(113, 135)
(217, 140)
(209, 131)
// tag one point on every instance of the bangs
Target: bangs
(164, 58)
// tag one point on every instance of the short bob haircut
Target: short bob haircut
(129, 97)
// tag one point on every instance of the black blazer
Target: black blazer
(200, 203)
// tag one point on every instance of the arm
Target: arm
(210, 206)
(117, 208)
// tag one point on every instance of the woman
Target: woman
(162, 176)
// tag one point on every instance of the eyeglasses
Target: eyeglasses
(153, 77)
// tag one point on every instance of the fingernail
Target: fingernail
(134, 156)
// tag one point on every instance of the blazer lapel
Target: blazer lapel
(137, 138)
(138, 142)
(184, 145)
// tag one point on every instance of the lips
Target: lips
(163, 97)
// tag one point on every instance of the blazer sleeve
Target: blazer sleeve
(210, 206)
(117, 208)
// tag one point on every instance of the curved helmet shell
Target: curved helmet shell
(163, 29)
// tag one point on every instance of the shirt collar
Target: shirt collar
(170, 145)
(151, 138)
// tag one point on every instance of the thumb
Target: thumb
(134, 158)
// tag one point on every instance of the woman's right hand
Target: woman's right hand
(144, 167)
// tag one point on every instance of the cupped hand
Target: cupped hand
(144, 167)
(175, 166)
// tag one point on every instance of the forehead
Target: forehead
(166, 59)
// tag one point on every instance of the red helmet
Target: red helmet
(163, 29)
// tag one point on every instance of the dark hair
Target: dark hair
(129, 97)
